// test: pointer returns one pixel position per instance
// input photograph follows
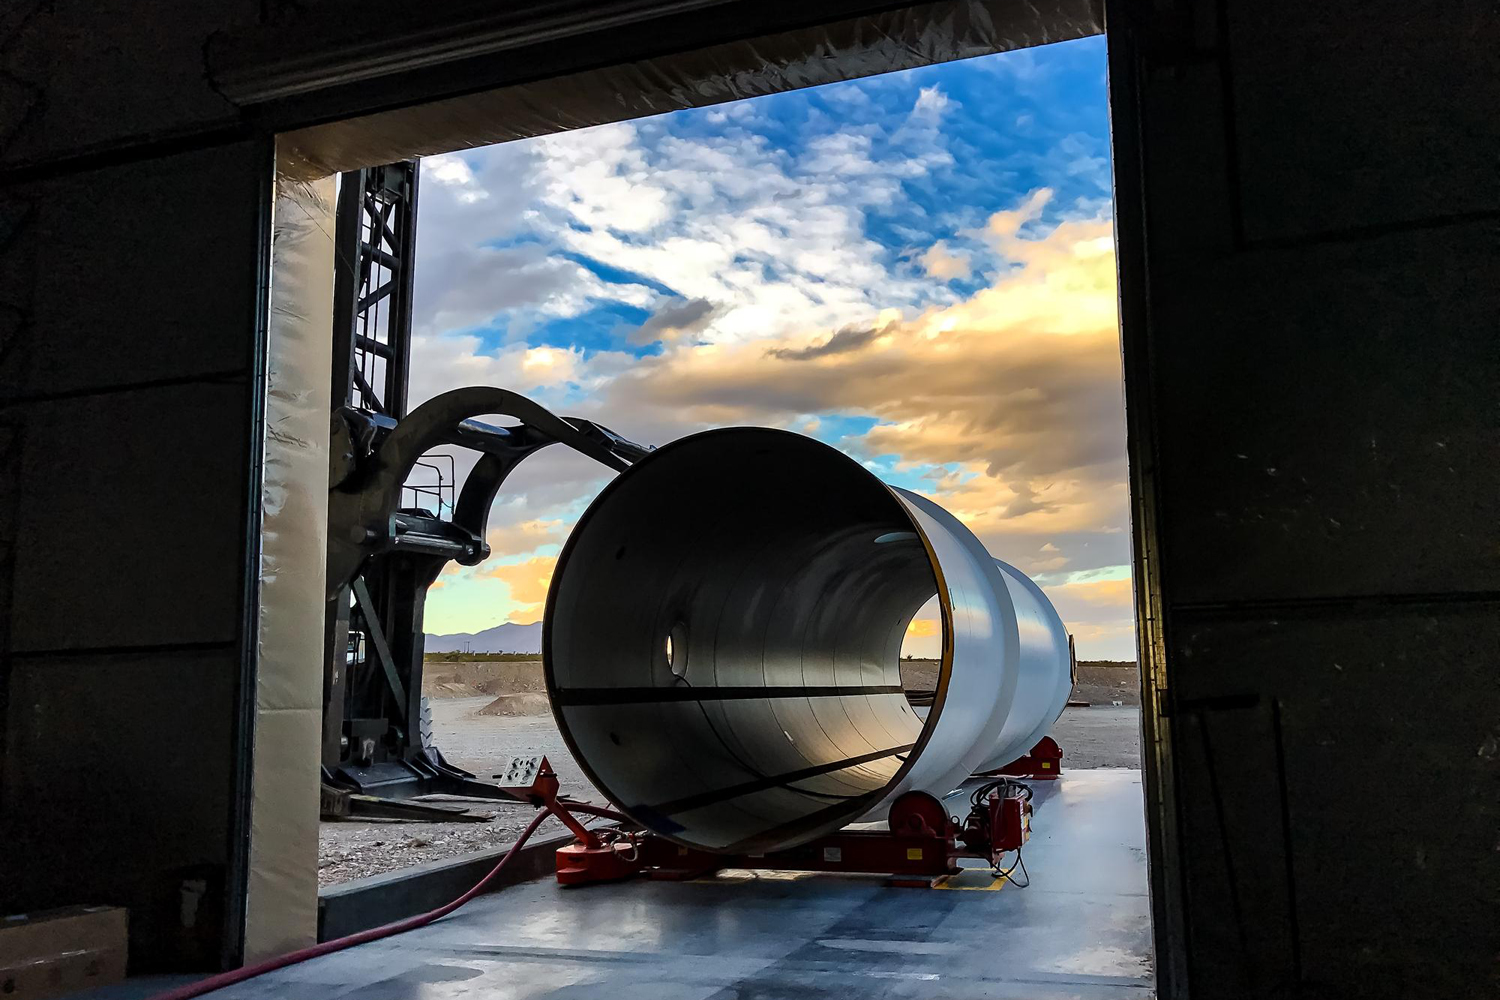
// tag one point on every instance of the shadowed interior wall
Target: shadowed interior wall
(1309, 220)
(128, 401)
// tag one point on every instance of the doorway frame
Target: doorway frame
(342, 119)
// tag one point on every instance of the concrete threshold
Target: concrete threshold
(362, 903)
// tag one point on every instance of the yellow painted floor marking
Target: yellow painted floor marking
(981, 879)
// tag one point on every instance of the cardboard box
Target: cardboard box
(51, 952)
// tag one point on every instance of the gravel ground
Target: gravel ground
(1090, 737)
(477, 743)
(1099, 737)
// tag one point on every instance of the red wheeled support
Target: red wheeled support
(589, 858)
(922, 846)
(581, 864)
(1043, 763)
(918, 814)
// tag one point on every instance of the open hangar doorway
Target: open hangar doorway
(592, 270)
(921, 43)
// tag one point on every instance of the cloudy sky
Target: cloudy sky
(917, 269)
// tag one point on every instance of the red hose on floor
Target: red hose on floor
(224, 979)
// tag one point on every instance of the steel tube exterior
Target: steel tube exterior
(722, 651)
(1044, 665)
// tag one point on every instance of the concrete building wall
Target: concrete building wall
(1310, 221)
(128, 402)
(131, 303)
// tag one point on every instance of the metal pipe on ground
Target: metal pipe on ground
(723, 635)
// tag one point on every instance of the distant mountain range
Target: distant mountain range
(507, 638)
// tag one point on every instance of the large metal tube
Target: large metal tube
(1045, 670)
(723, 635)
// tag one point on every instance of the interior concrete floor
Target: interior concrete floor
(1080, 930)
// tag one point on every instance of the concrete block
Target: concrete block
(125, 793)
(130, 518)
(108, 273)
(1328, 420)
(1386, 723)
(1358, 114)
(79, 74)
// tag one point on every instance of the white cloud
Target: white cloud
(601, 177)
(450, 170)
(945, 265)
(777, 242)
(932, 102)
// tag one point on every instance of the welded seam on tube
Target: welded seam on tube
(775, 781)
(650, 695)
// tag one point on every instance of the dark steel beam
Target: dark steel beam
(374, 281)
(377, 639)
(375, 297)
(373, 346)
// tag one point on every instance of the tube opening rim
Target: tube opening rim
(846, 811)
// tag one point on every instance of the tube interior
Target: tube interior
(723, 639)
